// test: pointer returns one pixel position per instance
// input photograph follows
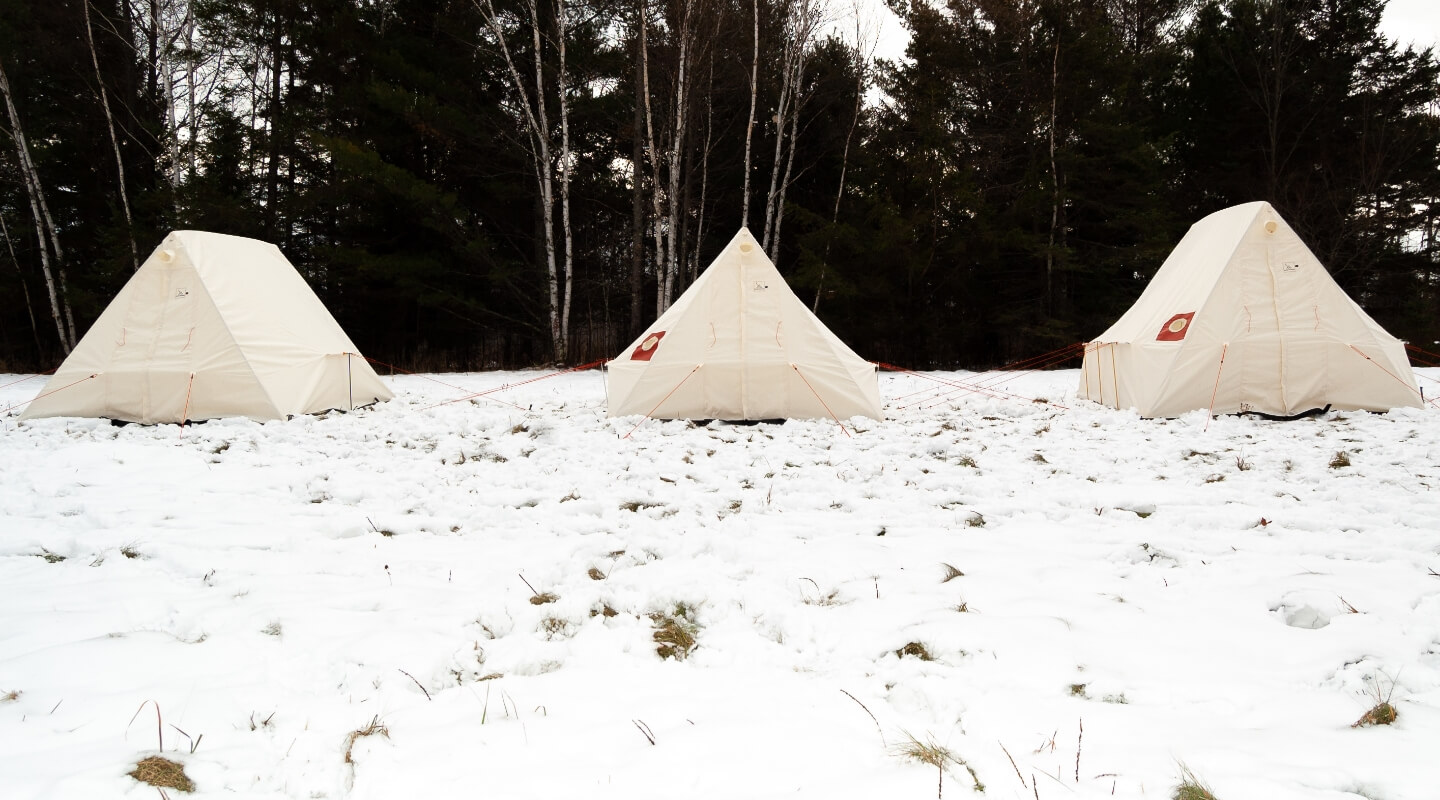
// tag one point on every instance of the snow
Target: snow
(1205, 593)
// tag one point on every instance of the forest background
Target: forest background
(472, 184)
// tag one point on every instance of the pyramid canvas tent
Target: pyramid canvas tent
(739, 345)
(211, 326)
(1243, 318)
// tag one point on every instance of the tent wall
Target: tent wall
(1271, 331)
(738, 345)
(211, 326)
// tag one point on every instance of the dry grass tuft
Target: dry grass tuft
(675, 633)
(595, 574)
(10, 696)
(1341, 459)
(50, 558)
(375, 727)
(130, 551)
(951, 573)
(1382, 714)
(936, 755)
(915, 649)
(542, 598)
(163, 773)
(1191, 787)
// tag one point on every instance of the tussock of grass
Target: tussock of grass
(542, 598)
(10, 696)
(374, 728)
(637, 505)
(130, 551)
(1382, 714)
(936, 755)
(163, 773)
(915, 649)
(1341, 459)
(1191, 787)
(595, 574)
(50, 558)
(675, 633)
(1078, 690)
(951, 573)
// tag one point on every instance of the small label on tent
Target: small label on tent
(1289, 267)
(182, 292)
(759, 286)
(1174, 328)
(647, 347)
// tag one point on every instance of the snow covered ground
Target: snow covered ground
(478, 586)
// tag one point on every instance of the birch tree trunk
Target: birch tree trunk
(1054, 186)
(564, 88)
(114, 140)
(750, 121)
(677, 142)
(651, 152)
(24, 286)
(800, 26)
(537, 125)
(59, 304)
(863, 56)
(637, 212)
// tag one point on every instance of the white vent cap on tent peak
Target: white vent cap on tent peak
(1271, 226)
(166, 255)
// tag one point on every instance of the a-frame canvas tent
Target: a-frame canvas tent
(739, 345)
(211, 326)
(1242, 317)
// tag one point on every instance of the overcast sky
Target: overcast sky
(1405, 21)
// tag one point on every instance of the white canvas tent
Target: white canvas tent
(211, 326)
(739, 345)
(1243, 318)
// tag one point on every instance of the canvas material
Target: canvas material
(211, 326)
(738, 344)
(1272, 331)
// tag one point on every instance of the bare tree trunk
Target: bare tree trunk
(781, 109)
(677, 142)
(24, 287)
(538, 127)
(564, 89)
(1054, 186)
(862, 72)
(114, 140)
(650, 151)
(192, 110)
(789, 170)
(637, 213)
(59, 305)
(750, 121)
(800, 25)
(704, 171)
(272, 168)
(167, 85)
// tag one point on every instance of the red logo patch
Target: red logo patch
(1175, 328)
(647, 347)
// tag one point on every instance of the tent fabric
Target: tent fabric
(1242, 317)
(739, 345)
(211, 326)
